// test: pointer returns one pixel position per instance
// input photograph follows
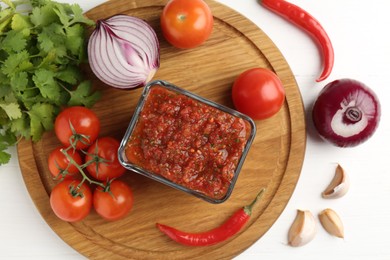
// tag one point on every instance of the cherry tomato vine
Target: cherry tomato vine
(81, 168)
(71, 199)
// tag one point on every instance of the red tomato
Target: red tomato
(258, 93)
(186, 24)
(69, 203)
(115, 203)
(59, 164)
(104, 153)
(77, 126)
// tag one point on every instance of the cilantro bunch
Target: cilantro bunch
(42, 44)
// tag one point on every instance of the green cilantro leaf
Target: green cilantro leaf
(52, 38)
(83, 95)
(14, 42)
(12, 110)
(47, 85)
(45, 42)
(75, 40)
(5, 89)
(78, 16)
(7, 139)
(42, 117)
(21, 127)
(61, 11)
(16, 62)
(4, 119)
(20, 22)
(43, 16)
(19, 81)
(29, 97)
(48, 61)
(4, 156)
(5, 18)
(71, 75)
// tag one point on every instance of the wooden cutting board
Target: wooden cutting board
(274, 161)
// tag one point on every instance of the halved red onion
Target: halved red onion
(346, 112)
(123, 51)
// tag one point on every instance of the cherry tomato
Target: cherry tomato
(115, 203)
(104, 153)
(70, 203)
(59, 164)
(186, 24)
(77, 126)
(258, 93)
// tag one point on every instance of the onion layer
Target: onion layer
(346, 112)
(123, 51)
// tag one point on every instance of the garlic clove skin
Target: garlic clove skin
(339, 185)
(303, 229)
(331, 222)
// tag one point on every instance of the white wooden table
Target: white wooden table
(359, 30)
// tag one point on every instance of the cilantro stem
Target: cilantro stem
(35, 55)
(71, 58)
(64, 87)
(18, 140)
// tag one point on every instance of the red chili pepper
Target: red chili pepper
(303, 19)
(228, 229)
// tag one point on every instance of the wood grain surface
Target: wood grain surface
(274, 161)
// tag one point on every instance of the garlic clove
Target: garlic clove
(332, 222)
(339, 185)
(303, 229)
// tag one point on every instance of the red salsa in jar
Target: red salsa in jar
(188, 142)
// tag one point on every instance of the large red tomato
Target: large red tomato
(77, 126)
(104, 155)
(186, 23)
(115, 203)
(258, 93)
(70, 203)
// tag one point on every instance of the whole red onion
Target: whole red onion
(346, 112)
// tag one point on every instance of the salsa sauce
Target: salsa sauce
(187, 142)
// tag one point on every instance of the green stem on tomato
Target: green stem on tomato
(85, 176)
(76, 137)
(95, 158)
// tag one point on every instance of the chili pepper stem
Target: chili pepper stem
(248, 208)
